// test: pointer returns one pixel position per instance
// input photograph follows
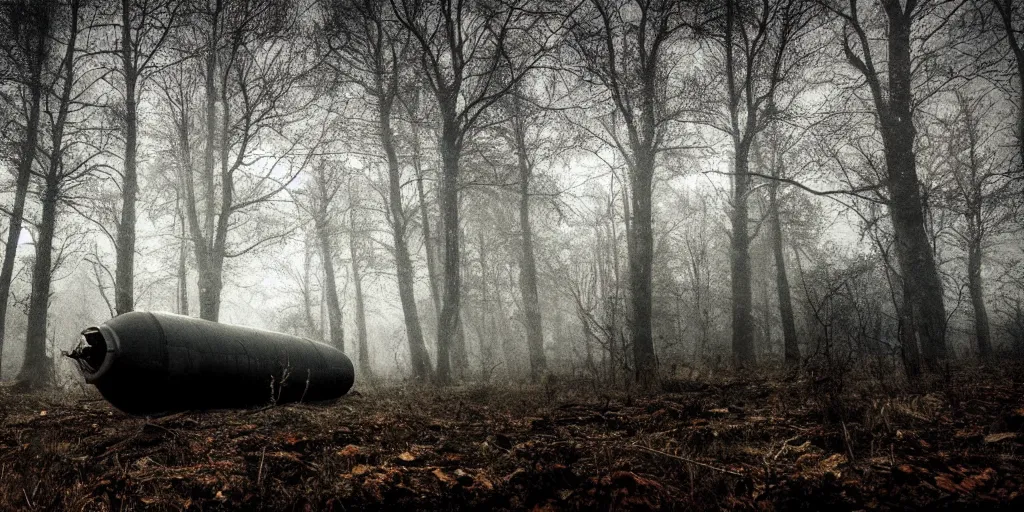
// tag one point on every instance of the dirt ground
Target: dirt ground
(771, 443)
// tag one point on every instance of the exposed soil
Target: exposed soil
(765, 444)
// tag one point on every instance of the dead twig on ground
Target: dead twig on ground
(685, 459)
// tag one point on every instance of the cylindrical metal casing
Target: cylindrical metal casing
(153, 363)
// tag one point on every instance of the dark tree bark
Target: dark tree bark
(247, 101)
(894, 109)
(124, 272)
(403, 263)
(791, 348)
(641, 261)
(743, 133)
(370, 51)
(979, 193)
(624, 50)
(739, 259)
(38, 31)
(448, 323)
(429, 244)
(982, 334)
(754, 73)
(1012, 28)
(145, 29)
(461, 53)
(36, 371)
(528, 263)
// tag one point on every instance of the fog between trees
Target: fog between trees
(451, 191)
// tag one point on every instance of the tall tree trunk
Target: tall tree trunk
(924, 291)
(449, 203)
(528, 264)
(312, 330)
(742, 318)
(124, 273)
(41, 25)
(208, 277)
(908, 342)
(357, 281)
(641, 260)
(210, 286)
(981, 325)
(37, 368)
(487, 327)
(403, 263)
(791, 348)
(429, 244)
(460, 350)
(183, 269)
(334, 318)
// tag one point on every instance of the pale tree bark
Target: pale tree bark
(488, 330)
(313, 329)
(38, 27)
(357, 282)
(334, 316)
(183, 308)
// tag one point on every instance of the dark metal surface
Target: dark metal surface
(153, 363)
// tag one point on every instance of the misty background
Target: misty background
(492, 190)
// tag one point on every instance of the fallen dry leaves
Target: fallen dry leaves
(736, 444)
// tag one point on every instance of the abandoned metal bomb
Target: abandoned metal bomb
(155, 363)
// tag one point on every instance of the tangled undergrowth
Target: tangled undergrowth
(753, 443)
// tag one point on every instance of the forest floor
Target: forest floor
(771, 443)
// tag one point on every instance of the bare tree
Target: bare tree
(30, 24)
(977, 191)
(249, 76)
(355, 242)
(894, 103)
(777, 167)
(468, 62)
(145, 27)
(625, 48)
(760, 56)
(369, 51)
(75, 141)
(1011, 21)
(321, 193)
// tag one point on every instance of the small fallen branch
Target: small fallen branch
(684, 459)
